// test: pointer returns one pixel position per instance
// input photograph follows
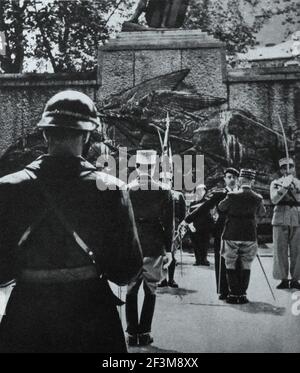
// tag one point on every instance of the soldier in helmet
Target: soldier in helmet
(240, 236)
(153, 211)
(285, 195)
(62, 238)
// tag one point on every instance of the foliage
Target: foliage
(236, 22)
(65, 32)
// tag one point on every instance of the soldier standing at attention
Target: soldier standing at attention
(240, 235)
(203, 225)
(153, 211)
(211, 201)
(285, 195)
(179, 206)
(230, 179)
(61, 238)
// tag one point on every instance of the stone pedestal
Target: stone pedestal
(133, 57)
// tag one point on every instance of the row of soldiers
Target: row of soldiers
(66, 229)
(239, 224)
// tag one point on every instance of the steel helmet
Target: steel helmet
(70, 109)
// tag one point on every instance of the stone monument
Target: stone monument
(134, 57)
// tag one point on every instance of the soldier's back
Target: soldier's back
(60, 304)
(153, 215)
(241, 215)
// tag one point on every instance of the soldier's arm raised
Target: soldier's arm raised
(204, 208)
(224, 204)
(277, 192)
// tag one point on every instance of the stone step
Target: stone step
(136, 36)
(163, 32)
(162, 39)
(183, 38)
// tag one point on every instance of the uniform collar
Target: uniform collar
(84, 164)
(230, 190)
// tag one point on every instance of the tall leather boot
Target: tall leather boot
(245, 279)
(131, 310)
(234, 286)
(171, 271)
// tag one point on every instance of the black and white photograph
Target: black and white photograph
(149, 179)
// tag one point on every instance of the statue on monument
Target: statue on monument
(159, 14)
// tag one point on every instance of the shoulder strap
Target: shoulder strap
(66, 224)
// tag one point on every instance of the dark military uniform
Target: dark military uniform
(60, 304)
(153, 211)
(240, 236)
(180, 207)
(179, 215)
(217, 196)
(203, 223)
(211, 201)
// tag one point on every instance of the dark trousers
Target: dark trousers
(134, 325)
(75, 317)
(171, 269)
(222, 282)
(200, 240)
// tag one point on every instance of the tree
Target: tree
(65, 32)
(12, 22)
(230, 20)
(69, 33)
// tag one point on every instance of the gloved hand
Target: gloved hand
(287, 181)
(167, 260)
(182, 227)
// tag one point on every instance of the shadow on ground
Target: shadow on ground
(180, 292)
(252, 307)
(151, 350)
(260, 307)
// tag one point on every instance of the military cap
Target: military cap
(247, 173)
(70, 109)
(231, 170)
(146, 157)
(285, 161)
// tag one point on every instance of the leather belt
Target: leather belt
(54, 276)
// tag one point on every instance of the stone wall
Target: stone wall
(23, 97)
(266, 92)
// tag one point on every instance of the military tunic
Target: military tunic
(60, 304)
(286, 229)
(153, 211)
(240, 235)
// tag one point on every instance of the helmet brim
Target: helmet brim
(78, 125)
